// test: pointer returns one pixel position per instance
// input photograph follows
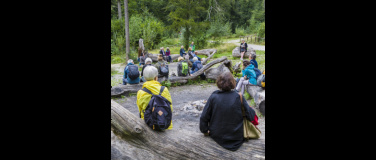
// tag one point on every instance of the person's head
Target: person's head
(167, 48)
(253, 56)
(160, 58)
(246, 63)
(130, 61)
(151, 73)
(243, 40)
(182, 46)
(195, 59)
(226, 81)
(180, 59)
(192, 43)
(189, 49)
(196, 52)
(148, 61)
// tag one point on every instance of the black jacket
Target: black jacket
(246, 47)
(223, 112)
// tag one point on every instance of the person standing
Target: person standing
(243, 49)
(193, 47)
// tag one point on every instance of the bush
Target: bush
(239, 31)
(261, 30)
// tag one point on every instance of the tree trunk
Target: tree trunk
(258, 94)
(213, 73)
(206, 59)
(126, 28)
(133, 139)
(125, 89)
(236, 68)
(119, 8)
(199, 72)
(154, 57)
(206, 51)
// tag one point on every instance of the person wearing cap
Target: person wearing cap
(148, 62)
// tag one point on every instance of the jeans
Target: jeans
(242, 83)
(169, 58)
(182, 54)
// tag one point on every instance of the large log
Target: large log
(258, 94)
(206, 52)
(133, 139)
(236, 52)
(213, 73)
(174, 79)
(206, 59)
(236, 68)
(125, 89)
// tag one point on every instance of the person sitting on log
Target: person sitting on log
(222, 118)
(163, 53)
(248, 77)
(243, 49)
(183, 67)
(143, 98)
(195, 55)
(191, 54)
(196, 66)
(168, 56)
(182, 52)
(252, 58)
(186, 57)
(148, 62)
(162, 67)
(131, 73)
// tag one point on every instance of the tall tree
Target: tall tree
(119, 8)
(126, 29)
(185, 13)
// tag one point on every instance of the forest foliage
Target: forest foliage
(159, 22)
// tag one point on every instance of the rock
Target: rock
(236, 52)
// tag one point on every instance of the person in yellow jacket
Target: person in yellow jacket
(143, 98)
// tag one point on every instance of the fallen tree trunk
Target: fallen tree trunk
(258, 94)
(125, 89)
(206, 52)
(236, 68)
(213, 73)
(133, 139)
(175, 79)
(206, 59)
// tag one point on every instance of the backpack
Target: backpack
(133, 72)
(184, 68)
(257, 71)
(261, 80)
(199, 66)
(157, 114)
(164, 69)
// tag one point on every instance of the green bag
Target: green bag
(250, 130)
(184, 70)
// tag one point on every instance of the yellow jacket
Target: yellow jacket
(143, 98)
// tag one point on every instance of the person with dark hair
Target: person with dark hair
(222, 117)
(249, 76)
(252, 58)
(162, 67)
(168, 55)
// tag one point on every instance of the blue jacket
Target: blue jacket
(254, 62)
(194, 66)
(182, 51)
(126, 71)
(251, 75)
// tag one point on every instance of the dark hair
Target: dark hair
(246, 63)
(253, 56)
(226, 81)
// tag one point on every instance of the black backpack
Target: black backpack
(158, 113)
(133, 72)
(164, 69)
(257, 71)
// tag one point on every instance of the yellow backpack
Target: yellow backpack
(263, 81)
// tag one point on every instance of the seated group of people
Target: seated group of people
(221, 118)
(250, 74)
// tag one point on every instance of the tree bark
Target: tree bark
(206, 52)
(199, 72)
(210, 56)
(236, 68)
(213, 73)
(258, 94)
(126, 17)
(125, 89)
(119, 8)
(154, 57)
(133, 139)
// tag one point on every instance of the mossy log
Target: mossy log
(258, 94)
(131, 138)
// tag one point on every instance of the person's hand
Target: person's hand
(245, 77)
